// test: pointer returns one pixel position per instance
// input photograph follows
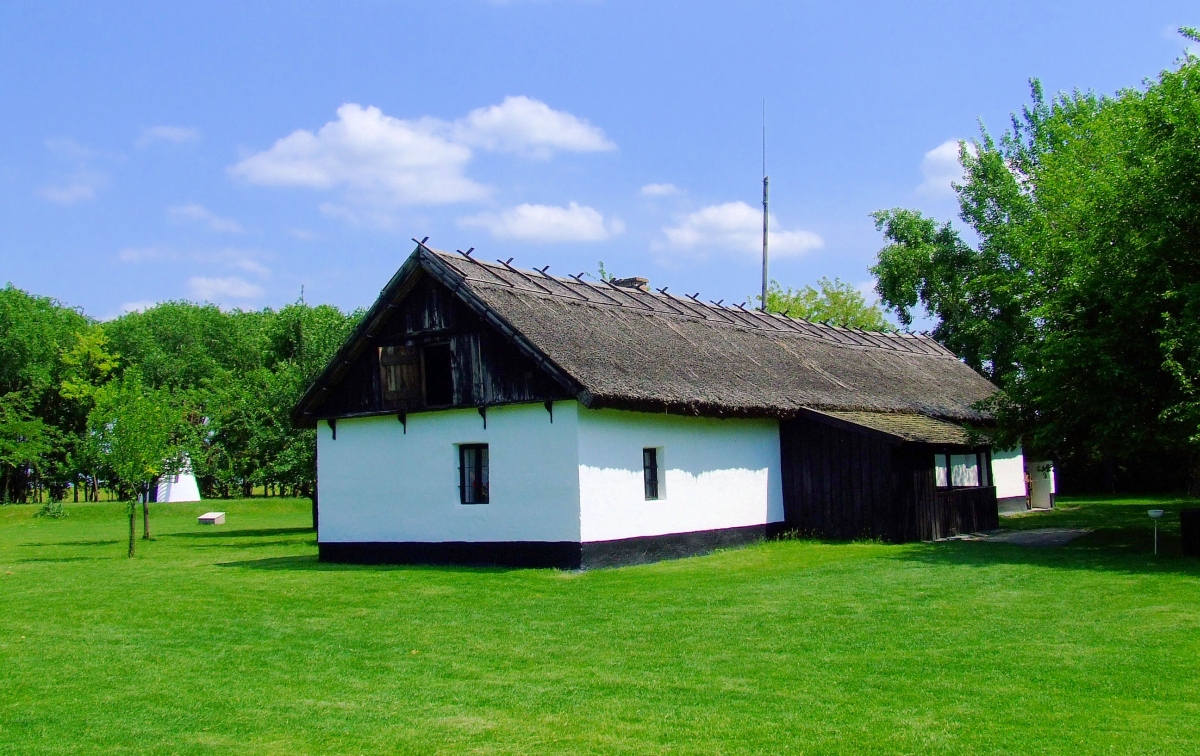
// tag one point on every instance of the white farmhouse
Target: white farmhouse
(483, 414)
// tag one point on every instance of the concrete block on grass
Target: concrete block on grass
(212, 518)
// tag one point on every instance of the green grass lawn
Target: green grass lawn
(234, 639)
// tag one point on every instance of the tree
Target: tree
(34, 331)
(138, 431)
(1082, 296)
(835, 302)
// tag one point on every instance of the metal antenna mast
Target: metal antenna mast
(766, 181)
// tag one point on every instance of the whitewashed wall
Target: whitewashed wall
(716, 474)
(379, 484)
(1008, 472)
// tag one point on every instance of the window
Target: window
(961, 470)
(439, 375)
(964, 470)
(400, 375)
(473, 473)
(650, 474)
(940, 472)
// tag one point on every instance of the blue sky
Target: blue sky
(234, 152)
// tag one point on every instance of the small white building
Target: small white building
(178, 487)
(483, 414)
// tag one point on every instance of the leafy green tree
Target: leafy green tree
(835, 302)
(182, 345)
(138, 430)
(1081, 297)
(25, 440)
(34, 331)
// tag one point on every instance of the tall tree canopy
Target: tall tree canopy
(835, 302)
(230, 376)
(1081, 298)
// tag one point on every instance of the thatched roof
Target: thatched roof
(614, 346)
(907, 426)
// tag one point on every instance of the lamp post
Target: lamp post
(1155, 514)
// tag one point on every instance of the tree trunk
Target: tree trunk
(146, 516)
(132, 524)
(1108, 473)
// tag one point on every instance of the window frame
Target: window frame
(983, 472)
(652, 478)
(479, 492)
(397, 362)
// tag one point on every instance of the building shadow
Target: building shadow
(310, 563)
(253, 544)
(249, 533)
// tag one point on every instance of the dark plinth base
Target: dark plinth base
(673, 546)
(561, 554)
(564, 555)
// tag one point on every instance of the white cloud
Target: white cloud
(197, 213)
(737, 227)
(381, 162)
(377, 158)
(528, 127)
(81, 187)
(229, 258)
(143, 254)
(66, 148)
(212, 289)
(303, 234)
(659, 190)
(252, 266)
(547, 223)
(867, 289)
(168, 134)
(940, 167)
(84, 182)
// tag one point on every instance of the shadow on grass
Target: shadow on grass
(43, 544)
(253, 544)
(1113, 550)
(1122, 515)
(310, 563)
(259, 533)
(62, 559)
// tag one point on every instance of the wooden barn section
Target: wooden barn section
(850, 475)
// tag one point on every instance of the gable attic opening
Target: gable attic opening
(427, 349)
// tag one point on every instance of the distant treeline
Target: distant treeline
(216, 386)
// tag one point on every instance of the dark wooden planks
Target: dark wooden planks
(841, 483)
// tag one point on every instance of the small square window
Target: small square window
(473, 473)
(650, 474)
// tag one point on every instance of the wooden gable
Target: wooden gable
(431, 351)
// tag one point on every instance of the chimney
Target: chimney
(636, 282)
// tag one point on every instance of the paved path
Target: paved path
(1038, 537)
